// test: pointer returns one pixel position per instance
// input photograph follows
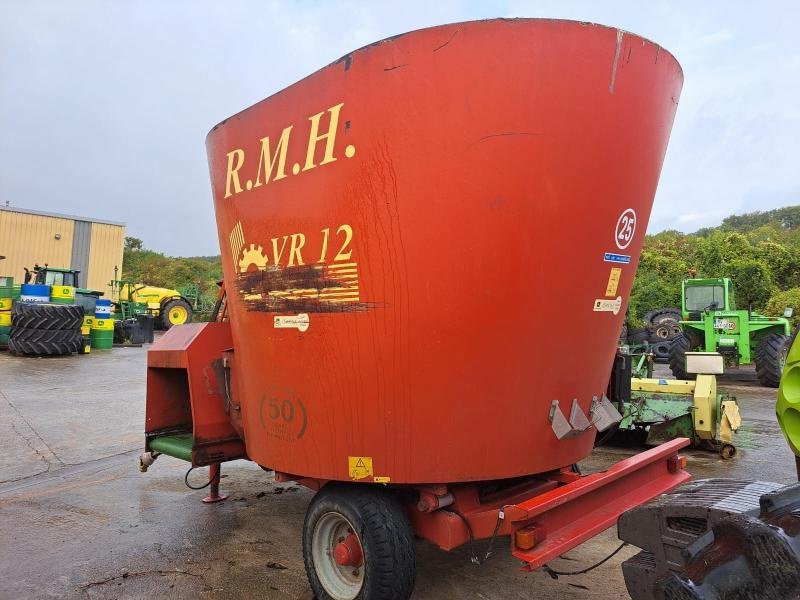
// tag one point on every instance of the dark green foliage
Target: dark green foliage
(759, 251)
(153, 268)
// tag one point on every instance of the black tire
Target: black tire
(695, 547)
(46, 316)
(770, 359)
(665, 314)
(648, 316)
(666, 330)
(383, 530)
(661, 350)
(654, 317)
(168, 306)
(677, 355)
(638, 336)
(44, 335)
(44, 348)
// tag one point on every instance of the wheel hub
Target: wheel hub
(348, 553)
(338, 556)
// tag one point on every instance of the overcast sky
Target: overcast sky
(104, 106)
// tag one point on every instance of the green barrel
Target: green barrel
(56, 300)
(102, 339)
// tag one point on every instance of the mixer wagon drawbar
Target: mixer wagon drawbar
(392, 228)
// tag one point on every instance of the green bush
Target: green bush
(780, 301)
(759, 251)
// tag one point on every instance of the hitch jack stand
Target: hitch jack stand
(214, 472)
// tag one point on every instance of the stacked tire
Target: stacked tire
(663, 326)
(45, 329)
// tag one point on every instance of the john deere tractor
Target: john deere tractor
(712, 324)
(168, 306)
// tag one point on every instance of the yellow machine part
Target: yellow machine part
(5, 318)
(704, 393)
(705, 401)
(731, 421)
(152, 296)
(5, 303)
(669, 386)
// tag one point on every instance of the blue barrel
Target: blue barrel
(102, 309)
(30, 292)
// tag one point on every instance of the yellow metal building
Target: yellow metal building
(91, 246)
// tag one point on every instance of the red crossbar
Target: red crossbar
(571, 514)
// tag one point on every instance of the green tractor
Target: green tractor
(712, 324)
(48, 275)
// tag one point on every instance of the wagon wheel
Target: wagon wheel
(357, 544)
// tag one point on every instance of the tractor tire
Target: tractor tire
(638, 336)
(358, 544)
(677, 355)
(648, 316)
(654, 317)
(665, 314)
(44, 335)
(175, 312)
(46, 316)
(661, 351)
(713, 539)
(45, 347)
(666, 330)
(771, 358)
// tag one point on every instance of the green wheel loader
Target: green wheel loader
(712, 324)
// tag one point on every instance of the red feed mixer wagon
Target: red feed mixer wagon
(395, 229)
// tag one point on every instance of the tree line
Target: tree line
(759, 251)
(141, 265)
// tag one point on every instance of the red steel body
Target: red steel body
(414, 237)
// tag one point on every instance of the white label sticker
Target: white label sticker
(612, 306)
(299, 322)
(626, 227)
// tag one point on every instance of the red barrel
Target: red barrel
(430, 240)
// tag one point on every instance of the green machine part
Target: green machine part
(677, 408)
(176, 445)
(788, 405)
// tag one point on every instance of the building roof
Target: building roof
(59, 215)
